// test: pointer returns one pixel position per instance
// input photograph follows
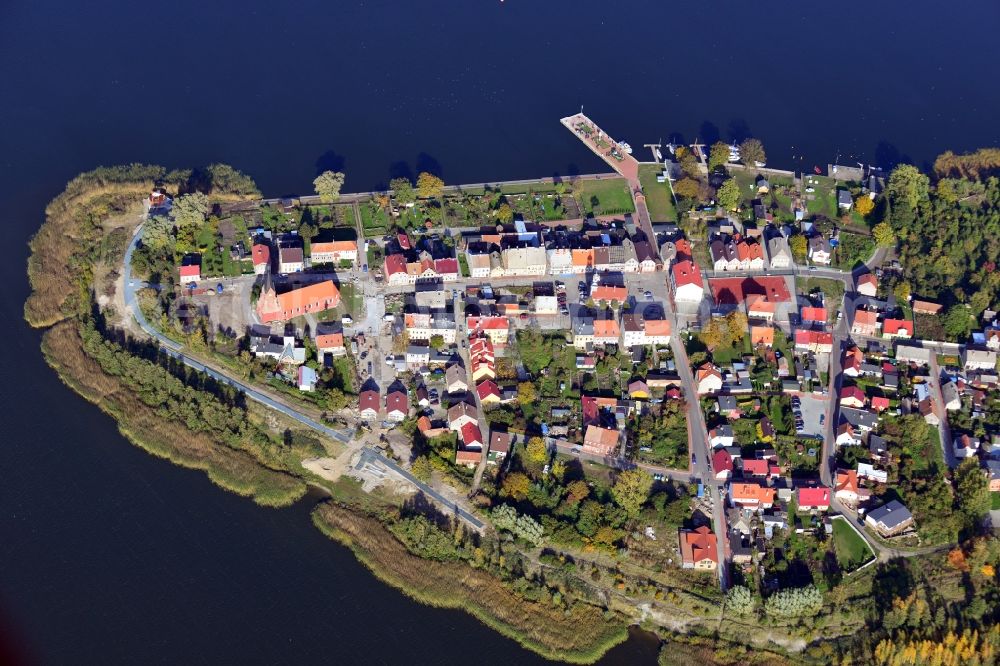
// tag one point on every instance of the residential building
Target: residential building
(889, 519)
(306, 378)
(762, 336)
(501, 443)
(751, 496)
(950, 397)
(468, 457)
(488, 392)
(819, 250)
(758, 307)
(708, 378)
(397, 404)
(331, 342)
(897, 328)
(369, 404)
(848, 489)
(190, 269)
(472, 437)
(699, 549)
(965, 446)
(979, 359)
(862, 420)
(600, 441)
(333, 252)
(496, 328)
(926, 307)
(461, 413)
(688, 286)
(867, 285)
(852, 396)
(721, 435)
(813, 499)
(847, 435)
(813, 316)
(290, 259)
(606, 332)
(722, 464)
(456, 379)
(818, 342)
(261, 256)
(779, 252)
(865, 324)
(283, 349)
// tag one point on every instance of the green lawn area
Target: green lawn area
(833, 292)
(994, 501)
(524, 188)
(823, 201)
(608, 196)
(463, 264)
(352, 302)
(374, 220)
(851, 549)
(853, 249)
(658, 197)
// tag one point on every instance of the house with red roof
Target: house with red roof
(394, 267)
(600, 441)
(261, 256)
(852, 396)
(815, 341)
(755, 468)
(865, 323)
(897, 328)
(880, 403)
(488, 392)
(851, 363)
(699, 549)
(722, 464)
(813, 316)
(687, 282)
(369, 404)
(472, 437)
(468, 458)
(496, 328)
(751, 496)
(813, 499)
(397, 405)
(848, 489)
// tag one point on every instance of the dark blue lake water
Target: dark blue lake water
(110, 556)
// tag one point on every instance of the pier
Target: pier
(618, 159)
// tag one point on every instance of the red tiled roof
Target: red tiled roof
(722, 461)
(394, 263)
(894, 326)
(261, 254)
(685, 273)
(732, 291)
(814, 497)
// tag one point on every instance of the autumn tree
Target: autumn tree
(577, 491)
(714, 333)
(718, 155)
(526, 394)
(631, 490)
(752, 153)
(736, 326)
(402, 190)
(740, 600)
(516, 485)
(728, 194)
(422, 469)
(536, 452)
(902, 291)
(687, 188)
(429, 186)
(328, 185)
(799, 247)
(884, 236)
(505, 213)
(864, 204)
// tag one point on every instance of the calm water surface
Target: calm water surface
(110, 556)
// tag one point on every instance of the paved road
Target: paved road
(174, 349)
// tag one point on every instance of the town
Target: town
(563, 357)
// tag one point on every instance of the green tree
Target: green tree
(536, 452)
(794, 603)
(973, 491)
(158, 234)
(402, 190)
(740, 600)
(328, 185)
(957, 321)
(718, 155)
(516, 485)
(729, 195)
(631, 490)
(190, 210)
(884, 235)
(902, 291)
(752, 153)
(687, 188)
(429, 186)
(907, 186)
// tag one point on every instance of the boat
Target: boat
(627, 148)
(818, 172)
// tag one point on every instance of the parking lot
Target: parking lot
(812, 409)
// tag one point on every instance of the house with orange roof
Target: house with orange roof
(682, 250)
(330, 343)
(847, 489)
(813, 499)
(606, 332)
(600, 441)
(868, 285)
(468, 458)
(609, 293)
(865, 323)
(311, 299)
(261, 255)
(699, 549)
(583, 259)
(813, 316)
(751, 496)
(758, 307)
(334, 252)
(762, 335)
(750, 255)
(897, 328)
(708, 379)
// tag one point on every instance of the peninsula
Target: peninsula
(753, 411)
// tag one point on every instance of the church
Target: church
(272, 306)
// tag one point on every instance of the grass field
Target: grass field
(822, 201)
(851, 549)
(608, 196)
(853, 249)
(658, 197)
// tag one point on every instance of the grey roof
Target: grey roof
(844, 197)
(723, 431)
(727, 402)
(859, 417)
(877, 444)
(891, 515)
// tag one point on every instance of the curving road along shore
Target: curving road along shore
(174, 349)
